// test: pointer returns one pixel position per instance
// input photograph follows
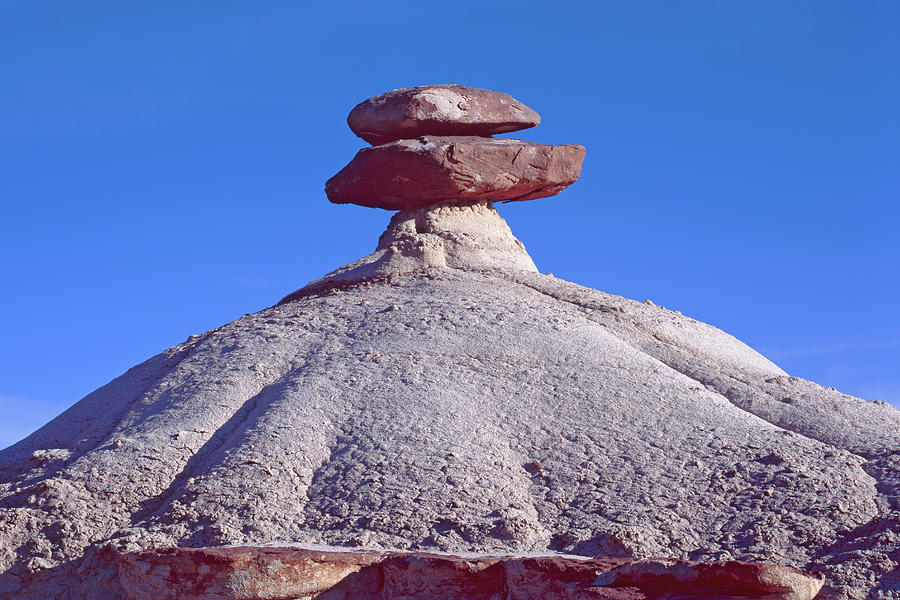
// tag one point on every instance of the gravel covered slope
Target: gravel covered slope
(462, 409)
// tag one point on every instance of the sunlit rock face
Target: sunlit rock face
(443, 397)
(410, 174)
(449, 109)
(432, 145)
(305, 573)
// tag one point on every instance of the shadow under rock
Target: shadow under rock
(93, 576)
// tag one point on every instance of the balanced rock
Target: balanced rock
(441, 394)
(438, 110)
(432, 149)
(410, 174)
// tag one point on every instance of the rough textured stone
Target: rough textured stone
(463, 408)
(410, 174)
(304, 573)
(470, 237)
(438, 110)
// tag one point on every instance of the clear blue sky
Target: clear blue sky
(163, 165)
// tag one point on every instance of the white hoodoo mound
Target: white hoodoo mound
(442, 394)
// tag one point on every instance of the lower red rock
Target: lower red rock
(411, 174)
(301, 573)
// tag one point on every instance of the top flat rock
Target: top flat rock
(438, 110)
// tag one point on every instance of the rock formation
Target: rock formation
(443, 395)
(432, 151)
(409, 174)
(438, 110)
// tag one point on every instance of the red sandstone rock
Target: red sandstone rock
(438, 110)
(299, 573)
(411, 174)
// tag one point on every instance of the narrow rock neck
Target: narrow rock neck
(472, 237)
(469, 237)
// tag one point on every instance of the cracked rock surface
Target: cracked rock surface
(447, 396)
(416, 173)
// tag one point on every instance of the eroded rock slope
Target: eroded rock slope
(442, 394)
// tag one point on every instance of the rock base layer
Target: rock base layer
(300, 573)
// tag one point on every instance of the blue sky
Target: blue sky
(164, 165)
